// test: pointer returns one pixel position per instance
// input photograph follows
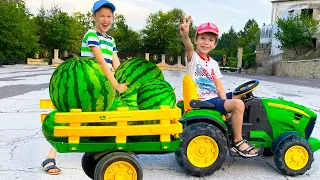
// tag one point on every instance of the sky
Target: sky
(223, 13)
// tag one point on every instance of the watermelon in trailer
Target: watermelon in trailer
(156, 93)
(48, 126)
(136, 71)
(117, 102)
(48, 129)
(80, 83)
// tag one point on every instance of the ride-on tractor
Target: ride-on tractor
(283, 128)
(200, 139)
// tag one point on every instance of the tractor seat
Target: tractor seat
(191, 99)
(202, 104)
(189, 92)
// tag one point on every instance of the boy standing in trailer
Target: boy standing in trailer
(96, 43)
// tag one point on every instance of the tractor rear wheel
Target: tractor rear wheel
(203, 149)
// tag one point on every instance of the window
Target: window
(308, 12)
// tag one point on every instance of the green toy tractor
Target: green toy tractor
(281, 127)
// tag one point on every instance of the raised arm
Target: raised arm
(184, 32)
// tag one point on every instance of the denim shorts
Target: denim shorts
(219, 103)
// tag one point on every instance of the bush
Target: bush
(232, 62)
(249, 60)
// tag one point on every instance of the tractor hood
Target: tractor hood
(288, 105)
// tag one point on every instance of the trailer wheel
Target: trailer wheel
(118, 165)
(89, 164)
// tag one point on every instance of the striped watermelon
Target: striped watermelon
(117, 102)
(136, 71)
(154, 94)
(48, 129)
(48, 126)
(80, 83)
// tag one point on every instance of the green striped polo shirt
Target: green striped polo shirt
(104, 42)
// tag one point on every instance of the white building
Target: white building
(284, 9)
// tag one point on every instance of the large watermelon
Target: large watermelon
(80, 83)
(117, 102)
(136, 71)
(154, 94)
(48, 126)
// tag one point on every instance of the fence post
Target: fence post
(239, 57)
(147, 56)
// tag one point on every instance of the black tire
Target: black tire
(89, 164)
(284, 146)
(115, 157)
(267, 152)
(193, 131)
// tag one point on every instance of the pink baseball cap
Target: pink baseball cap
(208, 27)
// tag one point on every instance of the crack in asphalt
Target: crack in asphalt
(20, 170)
(272, 167)
(11, 152)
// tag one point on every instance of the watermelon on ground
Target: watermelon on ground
(136, 71)
(80, 83)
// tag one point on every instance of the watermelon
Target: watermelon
(117, 102)
(80, 83)
(136, 71)
(154, 94)
(48, 126)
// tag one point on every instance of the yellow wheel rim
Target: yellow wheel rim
(120, 170)
(202, 151)
(296, 157)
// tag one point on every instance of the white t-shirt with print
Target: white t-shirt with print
(204, 73)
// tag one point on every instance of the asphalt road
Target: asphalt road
(23, 146)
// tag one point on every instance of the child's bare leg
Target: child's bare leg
(52, 154)
(236, 106)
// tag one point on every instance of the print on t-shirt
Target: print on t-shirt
(205, 82)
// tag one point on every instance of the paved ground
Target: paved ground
(23, 147)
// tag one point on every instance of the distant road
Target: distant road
(315, 83)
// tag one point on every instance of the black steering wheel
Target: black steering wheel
(246, 88)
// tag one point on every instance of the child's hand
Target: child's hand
(185, 26)
(121, 88)
(228, 115)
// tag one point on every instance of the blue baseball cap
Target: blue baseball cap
(97, 5)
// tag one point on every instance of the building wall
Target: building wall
(263, 52)
(303, 69)
(279, 7)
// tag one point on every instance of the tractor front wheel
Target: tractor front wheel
(294, 156)
(203, 149)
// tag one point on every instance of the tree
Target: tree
(58, 30)
(18, 39)
(248, 38)
(296, 31)
(161, 33)
(229, 43)
(127, 40)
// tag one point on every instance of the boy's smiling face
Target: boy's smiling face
(103, 19)
(205, 43)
